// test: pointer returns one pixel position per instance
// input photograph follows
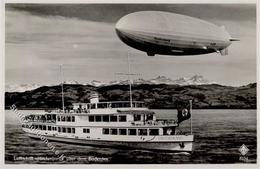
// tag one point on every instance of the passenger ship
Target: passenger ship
(120, 124)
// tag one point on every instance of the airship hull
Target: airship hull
(178, 37)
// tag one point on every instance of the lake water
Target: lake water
(218, 136)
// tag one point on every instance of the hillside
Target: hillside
(154, 95)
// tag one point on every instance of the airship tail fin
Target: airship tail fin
(224, 51)
(230, 39)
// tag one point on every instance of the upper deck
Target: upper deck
(102, 108)
(106, 107)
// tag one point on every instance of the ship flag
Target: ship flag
(184, 113)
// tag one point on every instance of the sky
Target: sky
(81, 37)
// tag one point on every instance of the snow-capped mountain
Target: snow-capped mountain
(71, 82)
(21, 87)
(142, 81)
(125, 82)
(194, 80)
(198, 80)
(161, 80)
(96, 83)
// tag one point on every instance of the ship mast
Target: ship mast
(129, 80)
(190, 116)
(129, 74)
(62, 93)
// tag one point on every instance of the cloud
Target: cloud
(41, 43)
(112, 12)
(54, 38)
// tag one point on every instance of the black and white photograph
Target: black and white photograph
(130, 83)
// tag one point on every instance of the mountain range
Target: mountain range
(161, 96)
(194, 80)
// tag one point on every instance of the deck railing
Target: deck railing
(86, 107)
(155, 123)
(113, 104)
(40, 121)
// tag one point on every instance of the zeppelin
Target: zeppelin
(164, 33)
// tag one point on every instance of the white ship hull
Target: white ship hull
(180, 145)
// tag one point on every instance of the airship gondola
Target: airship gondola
(164, 33)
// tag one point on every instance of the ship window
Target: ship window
(73, 118)
(149, 117)
(49, 128)
(113, 105)
(127, 105)
(138, 104)
(91, 118)
(153, 132)
(58, 118)
(122, 118)
(106, 118)
(55, 128)
(142, 132)
(105, 131)
(73, 130)
(69, 130)
(44, 127)
(59, 129)
(98, 118)
(36, 126)
(93, 106)
(102, 105)
(68, 118)
(63, 130)
(85, 130)
(137, 117)
(40, 127)
(113, 118)
(131, 131)
(114, 131)
(122, 131)
(62, 118)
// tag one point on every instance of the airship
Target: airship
(165, 33)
